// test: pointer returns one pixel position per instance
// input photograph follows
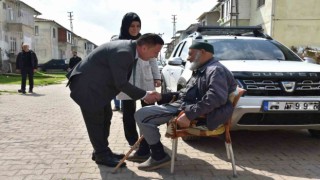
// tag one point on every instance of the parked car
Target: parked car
(161, 63)
(54, 65)
(283, 92)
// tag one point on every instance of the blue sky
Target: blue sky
(98, 20)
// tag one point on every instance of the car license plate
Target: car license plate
(290, 106)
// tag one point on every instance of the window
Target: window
(36, 30)
(69, 40)
(13, 44)
(85, 46)
(53, 33)
(260, 3)
(10, 14)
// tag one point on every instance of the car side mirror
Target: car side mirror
(177, 61)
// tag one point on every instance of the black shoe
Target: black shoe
(109, 161)
(30, 91)
(22, 91)
(115, 155)
(138, 158)
(118, 155)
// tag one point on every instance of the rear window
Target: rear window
(251, 49)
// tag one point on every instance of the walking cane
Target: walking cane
(127, 155)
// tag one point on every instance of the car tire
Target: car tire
(314, 133)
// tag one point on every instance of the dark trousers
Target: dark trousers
(98, 127)
(26, 71)
(129, 123)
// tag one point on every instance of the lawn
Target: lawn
(40, 78)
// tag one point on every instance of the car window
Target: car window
(177, 49)
(250, 49)
(185, 50)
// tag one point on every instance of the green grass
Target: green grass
(40, 78)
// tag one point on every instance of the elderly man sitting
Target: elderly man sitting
(206, 93)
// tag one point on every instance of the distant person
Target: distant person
(97, 79)
(145, 75)
(74, 60)
(26, 64)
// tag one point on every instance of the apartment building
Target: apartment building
(292, 22)
(53, 41)
(16, 27)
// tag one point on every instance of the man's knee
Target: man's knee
(139, 115)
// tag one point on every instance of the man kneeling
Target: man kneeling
(206, 93)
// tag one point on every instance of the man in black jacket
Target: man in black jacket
(26, 64)
(74, 60)
(98, 78)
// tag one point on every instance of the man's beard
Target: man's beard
(196, 62)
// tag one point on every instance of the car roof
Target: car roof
(205, 37)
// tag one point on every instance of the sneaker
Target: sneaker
(30, 91)
(138, 158)
(152, 164)
(21, 91)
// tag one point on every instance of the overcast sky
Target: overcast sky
(98, 20)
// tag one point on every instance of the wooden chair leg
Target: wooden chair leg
(136, 144)
(233, 163)
(174, 153)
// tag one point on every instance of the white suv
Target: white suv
(283, 92)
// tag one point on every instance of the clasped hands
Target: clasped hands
(152, 97)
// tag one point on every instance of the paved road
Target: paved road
(42, 136)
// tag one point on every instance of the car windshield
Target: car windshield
(251, 49)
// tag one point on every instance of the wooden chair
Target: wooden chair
(174, 133)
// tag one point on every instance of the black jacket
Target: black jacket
(20, 58)
(207, 94)
(99, 77)
(74, 61)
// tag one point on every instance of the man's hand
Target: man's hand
(18, 70)
(183, 121)
(152, 97)
(157, 83)
(34, 70)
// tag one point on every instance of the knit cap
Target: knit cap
(202, 45)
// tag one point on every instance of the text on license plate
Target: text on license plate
(290, 106)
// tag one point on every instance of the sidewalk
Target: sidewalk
(43, 136)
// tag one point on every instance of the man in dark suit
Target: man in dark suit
(100, 77)
(26, 64)
(74, 60)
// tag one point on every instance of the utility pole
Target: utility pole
(70, 18)
(174, 28)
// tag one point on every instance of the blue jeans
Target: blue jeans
(116, 103)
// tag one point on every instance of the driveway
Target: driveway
(43, 136)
